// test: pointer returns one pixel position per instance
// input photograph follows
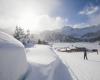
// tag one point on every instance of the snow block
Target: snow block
(13, 64)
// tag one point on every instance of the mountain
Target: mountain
(79, 32)
(70, 34)
(67, 34)
(92, 36)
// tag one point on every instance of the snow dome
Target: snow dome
(13, 64)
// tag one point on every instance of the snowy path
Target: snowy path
(82, 69)
(44, 64)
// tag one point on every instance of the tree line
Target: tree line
(26, 38)
(22, 36)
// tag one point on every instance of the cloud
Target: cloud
(81, 25)
(45, 22)
(15, 6)
(92, 13)
(89, 10)
(25, 12)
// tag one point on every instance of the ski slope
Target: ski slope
(80, 68)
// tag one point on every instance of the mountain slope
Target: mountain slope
(70, 34)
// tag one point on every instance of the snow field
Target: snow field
(81, 69)
(42, 62)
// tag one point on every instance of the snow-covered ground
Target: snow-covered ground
(45, 65)
(43, 62)
(13, 64)
(81, 69)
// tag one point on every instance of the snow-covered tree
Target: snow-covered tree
(19, 34)
(26, 38)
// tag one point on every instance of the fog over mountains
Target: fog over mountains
(68, 34)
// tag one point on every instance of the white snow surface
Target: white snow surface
(45, 65)
(7, 41)
(13, 64)
(41, 54)
(81, 69)
(43, 62)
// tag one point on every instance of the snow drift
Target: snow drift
(13, 64)
(44, 64)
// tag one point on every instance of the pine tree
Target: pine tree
(19, 34)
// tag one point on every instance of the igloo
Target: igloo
(13, 64)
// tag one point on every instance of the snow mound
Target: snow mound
(13, 64)
(8, 41)
(44, 64)
(41, 54)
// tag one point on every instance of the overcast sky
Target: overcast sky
(40, 15)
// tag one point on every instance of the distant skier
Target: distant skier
(85, 54)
